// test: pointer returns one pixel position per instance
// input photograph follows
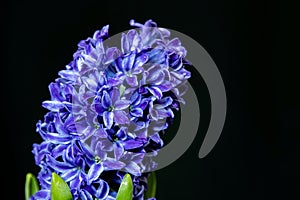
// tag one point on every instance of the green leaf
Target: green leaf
(31, 186)
(59, 189)
(126, 189)
(151, 191)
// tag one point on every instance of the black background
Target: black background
(255, 45)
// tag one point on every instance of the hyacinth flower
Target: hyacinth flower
(111, 107)
(107, 113)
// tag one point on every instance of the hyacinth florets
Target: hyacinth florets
(108, 111)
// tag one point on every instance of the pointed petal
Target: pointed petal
(101, 34)
(111, 54)
(112, 164)
(94, 172)
(54, 106)
(42, 195)
(122, 104)
(57, 138)
(133, 39)
(135, 98)
(115, 95)
(133, 168)
(175, 42)
(164, 102)
(90, 83)
(55, 92)
(155, 91)
(138, 157)
(106, 145)
(102, 190)
(120, 117)
(122, 133)
(70, 174)
(132, 81)
(124, 43)
(58, 166)
(144, 103)
(58, 150)
(155, 76)
(136, 112)
(108, 119)
(165, 86)
(132, 144)
(118, 150)
(106, 100)
(140, 60)
(68, 74)
(156, 138)
(76, 182)
(85, 195)
(99, 108)
(101, 133)
(127, 62)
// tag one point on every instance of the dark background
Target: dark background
(255, 45)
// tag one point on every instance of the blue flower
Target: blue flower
(111, 107)
(107, 109)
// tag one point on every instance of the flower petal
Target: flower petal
(155, 91)
(99, 108)
(115, 95)
(138, 157)
(106, 100)
(68, 74)
(55, 92)
(135, 98)
(122, 104)
(133, 168)
(94, 172)
(54, 106)
(70, 174)
(108, 119)
(76, 183)
(85, 195)
(90, 83)
(127, 62)
(144, 103)
(140, 60)
(136, 112)
(113, 164)
(122, 133)
(42, 195)
(118, 150)
(57, 151)
(58, 166)
(155, 76)
(165, 86)
(132, 81)
(132, 144)
(164, 102)
(120, 117)
(111, 54)
(156, 138)
(102, 190)
(57, 138)
(105, 145)
(124, 43)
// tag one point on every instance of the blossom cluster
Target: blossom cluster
(108, 110)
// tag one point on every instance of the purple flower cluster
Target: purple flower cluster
(108, 110)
